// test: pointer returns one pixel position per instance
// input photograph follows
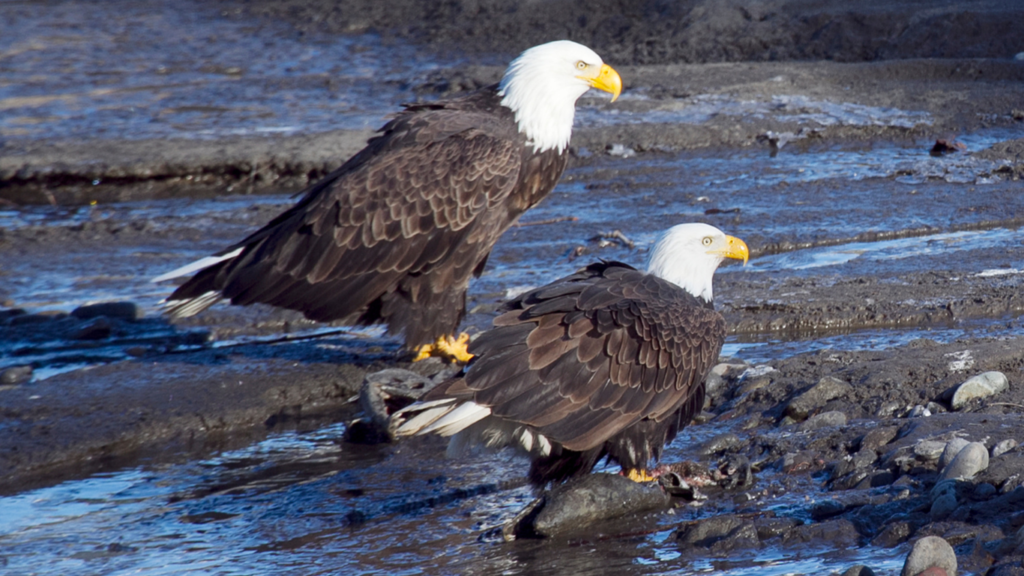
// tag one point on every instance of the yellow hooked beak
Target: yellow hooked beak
(607, 79)
(735, 248)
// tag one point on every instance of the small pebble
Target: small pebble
(918, 412)
(1003, 447)
(1019, 57)
(971, 460)
(930, 552)
(16, 375)
(980, 386)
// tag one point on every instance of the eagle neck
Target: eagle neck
(693, 275)
(544, 109)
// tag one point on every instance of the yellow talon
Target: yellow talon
(447, 347)
(637, 475)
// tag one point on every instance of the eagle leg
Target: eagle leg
(447, 347)
(638, 475)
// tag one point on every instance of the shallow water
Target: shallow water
(302, 502)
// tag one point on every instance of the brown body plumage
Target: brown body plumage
(609, 361)
(395, 233)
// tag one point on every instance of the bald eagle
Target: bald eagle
(394, 235)
(608, 362)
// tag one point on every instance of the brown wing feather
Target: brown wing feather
(417, 210)
(644, 354)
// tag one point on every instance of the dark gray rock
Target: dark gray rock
(574, 506)
(984, 490)
(774, 527)
(927, 552)
(878, 437)
(119, 310)
(859, 570)
(893, 535)
(95, 329)
(817, 396)
(719, 534)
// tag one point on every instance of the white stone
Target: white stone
(980, 386)
(927, 552)
(971, 460)
(1003, 447)
(953, 447)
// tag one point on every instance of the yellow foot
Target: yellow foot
(448, 348)
(639, 476)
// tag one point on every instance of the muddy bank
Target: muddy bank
(191, 404)
(692, 31)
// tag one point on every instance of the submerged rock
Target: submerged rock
(719, 534)
(929, 552)
(572, 507)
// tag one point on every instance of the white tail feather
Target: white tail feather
(463, 416)
(196, 266)
(191, 306)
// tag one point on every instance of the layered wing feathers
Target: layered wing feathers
(594, 353)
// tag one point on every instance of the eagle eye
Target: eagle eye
(707, 241)
(581, 65)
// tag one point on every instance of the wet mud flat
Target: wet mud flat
(876, 265)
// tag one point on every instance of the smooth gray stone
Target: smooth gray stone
(980, 386)
(971, 460)
(927, 552)
(953, 447)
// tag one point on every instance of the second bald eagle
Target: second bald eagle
(607, 362)
(395, 233)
